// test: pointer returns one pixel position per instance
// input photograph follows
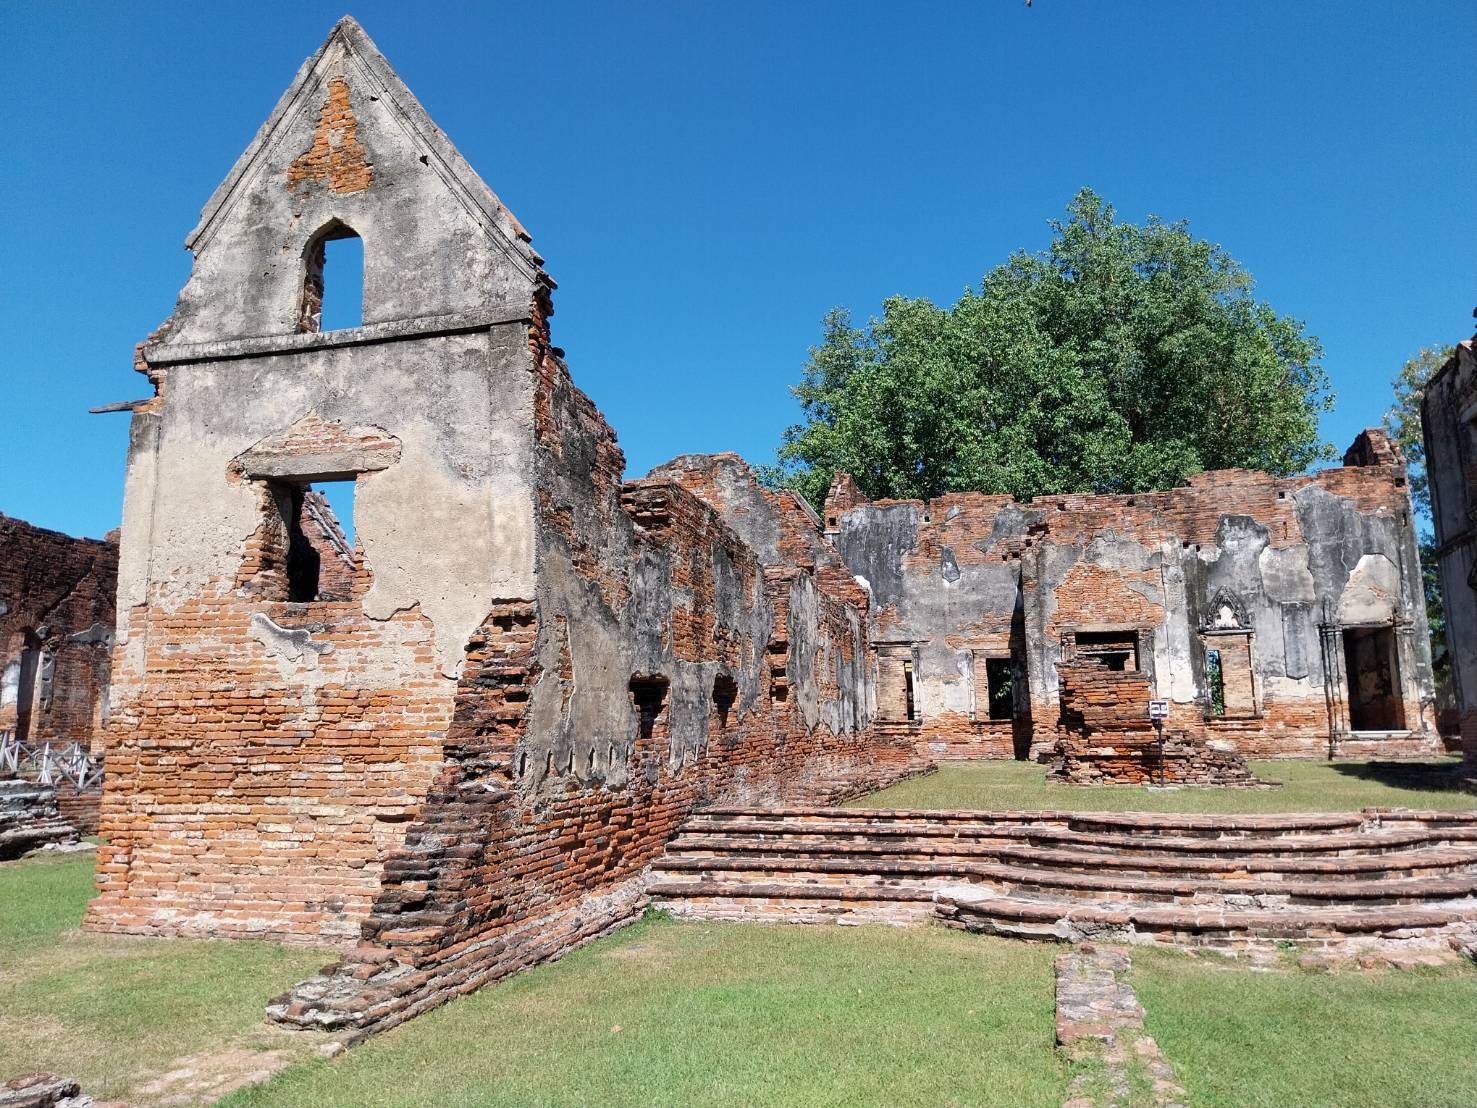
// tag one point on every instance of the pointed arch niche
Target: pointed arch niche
(333, 280)
(1230, 677)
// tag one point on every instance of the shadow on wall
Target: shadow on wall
(1445, 776)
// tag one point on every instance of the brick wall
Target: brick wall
(56, 598)
(566, 770)
(967, 575)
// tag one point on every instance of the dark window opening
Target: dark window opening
(1115, 650)
(648, 694)
(320, 560)
(912, 706)
(1374, 681)
(25, 698)
(1216, 680)
(725, 692)
(333, 281)
(999, 682)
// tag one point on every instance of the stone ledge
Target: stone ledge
(167, 353)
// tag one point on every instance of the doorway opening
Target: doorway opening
(1374, 679)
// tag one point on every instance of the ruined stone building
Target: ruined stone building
(56, 631)
(1279, 617)
(450, 733)
(453, 743)
(56, 636)
(1449, 415)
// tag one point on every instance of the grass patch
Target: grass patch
(114, 1011)
(1240, 1038)
(722, 1014)
(1306, 787)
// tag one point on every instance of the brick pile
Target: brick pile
(1109, 738)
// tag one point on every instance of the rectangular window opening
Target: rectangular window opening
(1115, 650)
(648, 696)
(1000, 690)
(343, 283)
(319, 522)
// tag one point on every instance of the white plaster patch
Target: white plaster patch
(1372, 591)
(1285, 575)
(291, 645)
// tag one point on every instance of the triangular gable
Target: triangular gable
(372, 73)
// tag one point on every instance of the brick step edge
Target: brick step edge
(1278, 824)
(689, 851)
(1426, 888)
(818, 836)
(1064, 920)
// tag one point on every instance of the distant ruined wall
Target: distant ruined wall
(1449, 413)
(56, 630)
(1285, 580)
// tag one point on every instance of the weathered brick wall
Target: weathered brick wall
(56, 598)
(663, 667)
(967, 576)
(1449, 414)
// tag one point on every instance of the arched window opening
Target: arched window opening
(333, 281)
(725, 692)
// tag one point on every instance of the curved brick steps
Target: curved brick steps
(794, 902)
(1412, 856)
(1317, 878)
(1036, 881)
(915, 836)
(1018, 917)
(1431, 875)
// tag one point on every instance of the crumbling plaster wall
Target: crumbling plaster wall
(1449, 414)
(600, 727)
(535, 670)
(316, 728)
(969, 573)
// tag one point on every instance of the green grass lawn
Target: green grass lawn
(115, 1012)
(1306, 787)
(710, 1014)
(723, 1014)
(1239, 1038)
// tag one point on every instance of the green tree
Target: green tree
(1403, 420)
(1403, 425)
(1125, 357)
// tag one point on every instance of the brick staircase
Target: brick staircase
(29, 818)
(1402, 877)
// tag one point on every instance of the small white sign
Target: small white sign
(1158, 709)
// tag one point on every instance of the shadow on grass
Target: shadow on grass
(1444, 776)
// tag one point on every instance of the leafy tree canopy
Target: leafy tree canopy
(1403, 421)
(1123, 358)
(1403, 425)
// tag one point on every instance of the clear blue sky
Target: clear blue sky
(706, 179)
